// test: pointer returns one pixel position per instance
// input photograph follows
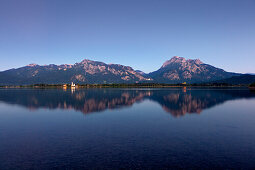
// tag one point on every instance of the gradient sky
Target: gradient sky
(139, 33)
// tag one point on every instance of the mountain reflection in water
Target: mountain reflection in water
(175, 101)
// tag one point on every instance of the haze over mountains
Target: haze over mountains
(175, 70)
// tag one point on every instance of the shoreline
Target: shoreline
(124, 86)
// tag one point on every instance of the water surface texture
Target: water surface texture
(127, 128)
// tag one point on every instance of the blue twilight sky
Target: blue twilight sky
(139, 33)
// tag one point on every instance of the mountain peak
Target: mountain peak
(177, 59)
(174, 59)
(179, 69)
(32, 65)
(180, 60)
(86, 61)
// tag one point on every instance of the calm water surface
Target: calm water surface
(127, 128)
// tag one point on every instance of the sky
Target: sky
(142, 34)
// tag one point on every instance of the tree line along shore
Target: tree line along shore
(135, 85)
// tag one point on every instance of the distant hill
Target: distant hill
(244, 79)
(178, 70)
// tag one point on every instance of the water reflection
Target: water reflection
(177, 102)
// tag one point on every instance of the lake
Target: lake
(127, 128)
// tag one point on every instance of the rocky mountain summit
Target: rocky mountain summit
(178, 70)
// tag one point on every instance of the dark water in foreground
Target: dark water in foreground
(127, 128)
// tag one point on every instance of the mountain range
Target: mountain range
(175, 70)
